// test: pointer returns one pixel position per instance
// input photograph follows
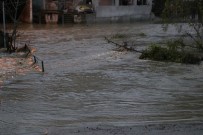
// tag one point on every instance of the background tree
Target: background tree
(13, 9)
(180, 13)
(158, 7)
(188, 11)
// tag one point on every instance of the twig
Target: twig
(196, 41)
(125, 46)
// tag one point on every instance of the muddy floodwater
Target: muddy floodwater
(88, 83)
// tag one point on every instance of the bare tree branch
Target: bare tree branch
(12, 11)
(125, 46)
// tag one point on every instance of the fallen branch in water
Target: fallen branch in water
(124, 46)
(172, 52)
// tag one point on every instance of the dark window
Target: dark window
(125, 2)
(88, 1)
(106, 2)
(141, 2)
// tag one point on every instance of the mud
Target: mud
(153, 129)
(13, 65)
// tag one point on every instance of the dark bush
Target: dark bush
(169, 54)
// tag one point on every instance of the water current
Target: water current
(87, 82)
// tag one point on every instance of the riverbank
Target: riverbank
(13, 64)
(148, 129)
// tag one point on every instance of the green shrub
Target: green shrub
(155, 53)
(170, 53)
(142, 34)
(119, 36)
(189, 58)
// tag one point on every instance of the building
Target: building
(51, 11)
(105, 10)
(122, 10)
(27, 13)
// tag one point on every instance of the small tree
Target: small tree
(179, 13)
(188, 11)
(13, 9)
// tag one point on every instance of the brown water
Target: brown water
(86, 82)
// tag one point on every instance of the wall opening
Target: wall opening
(125, 2)
(106, 2)
(141, 2)
(89, 2)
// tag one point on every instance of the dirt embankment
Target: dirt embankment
(14, 64)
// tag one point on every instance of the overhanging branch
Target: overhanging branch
(125, 46)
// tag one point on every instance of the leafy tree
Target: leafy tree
(189, 12)
(180, 13)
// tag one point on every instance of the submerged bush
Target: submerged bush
(119, 36)
(142, 34)
(173, 52)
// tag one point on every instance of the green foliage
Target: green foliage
(175, 45)
(158, 7)
(119, 36)
(189, 11)
(154, 53)
(182, 10)
(174, 12)
(142, 34)
(173, 9)
(172, 52)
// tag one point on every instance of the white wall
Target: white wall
(115, 11)
(120, 11)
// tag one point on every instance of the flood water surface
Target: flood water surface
(87, 82)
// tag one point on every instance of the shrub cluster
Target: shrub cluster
(173, 52)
